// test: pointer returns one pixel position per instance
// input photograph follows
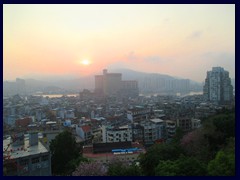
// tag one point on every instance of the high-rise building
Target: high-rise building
(218, 88)
(111, 84)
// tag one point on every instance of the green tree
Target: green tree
(178, 136)
(167, 168)
(225, 123)
(116, 167)
(157, 152)
(183, 166)
(222, 165)
(64, 151)
(217, 129)
(74, 163)
(206, 141)
(224, 162)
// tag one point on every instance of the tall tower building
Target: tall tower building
(218, 88)
(109, 84)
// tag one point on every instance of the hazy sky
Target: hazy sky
(74, 40)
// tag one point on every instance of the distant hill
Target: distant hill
(147, 82)
(71, 84)
(128, 74)
(156, 82)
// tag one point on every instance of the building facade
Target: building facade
(171, 126)
(110, 84)
(138, 113)
(24, 156)
(154, 130)
(84, 131)
(218, 88)
(116, 134)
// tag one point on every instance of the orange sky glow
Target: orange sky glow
(179, 40)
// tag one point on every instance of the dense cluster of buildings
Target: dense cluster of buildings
(108, 124)
(155, 84)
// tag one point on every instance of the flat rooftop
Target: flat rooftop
(156, 120)
(22, 150)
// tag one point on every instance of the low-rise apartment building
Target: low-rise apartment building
(24, 156)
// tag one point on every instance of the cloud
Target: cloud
(195, 34)
(153, 59)
(131, 56)
(117, 64)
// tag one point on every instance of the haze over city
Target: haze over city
(119, 90)
(78, 40)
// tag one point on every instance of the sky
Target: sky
(78, 40)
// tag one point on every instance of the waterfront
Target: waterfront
(176, 94)
(141, 94)
(56, 95)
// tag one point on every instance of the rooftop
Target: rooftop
(22, 150)
(156, 120)
(86, 128)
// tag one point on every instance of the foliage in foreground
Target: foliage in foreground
(91, 168)
(115, 167)
(183, 166)
(209, 150)
(65, 154)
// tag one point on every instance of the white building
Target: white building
(116, 134)
(170, 128)
(84, 132)
(69, 114)
(154, 129)
(138, 113)
(218, 88)
(196, 123)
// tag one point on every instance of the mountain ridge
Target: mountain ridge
(87, 82)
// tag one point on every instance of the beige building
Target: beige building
(110, 84)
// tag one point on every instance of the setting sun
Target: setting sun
(85, 62)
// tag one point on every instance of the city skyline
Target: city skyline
(78, 40)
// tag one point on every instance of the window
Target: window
(45, 158)
(24, 162)
(35, 160)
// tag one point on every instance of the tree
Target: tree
(224, 162)
(217, 129)
(90, 168)
(157, 152)
(195, 144)
(116, 167)
(206, 141)
(167, 168)
(225, 123)
(64, 151)
(183, 166)
(178, 136)
(222, 165)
